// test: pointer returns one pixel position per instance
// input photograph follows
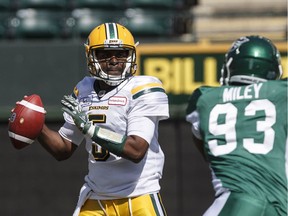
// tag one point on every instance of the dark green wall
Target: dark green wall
(50, 69)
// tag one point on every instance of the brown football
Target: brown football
(26, 121)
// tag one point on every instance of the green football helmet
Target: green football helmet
(251, 59)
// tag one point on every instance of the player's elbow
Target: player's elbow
(135, 149)
(136, 160)
(62, 156)
(136, 157)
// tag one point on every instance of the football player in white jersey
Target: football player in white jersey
(117, 114)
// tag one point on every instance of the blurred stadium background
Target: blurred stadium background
(181, 41)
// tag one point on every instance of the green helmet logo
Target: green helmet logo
(251, 59)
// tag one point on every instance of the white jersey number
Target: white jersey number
(228, 129)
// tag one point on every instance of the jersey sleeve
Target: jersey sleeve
(72, 133)
(192, 101)
(69, 131)
(143, 127)
(192, 115)
(193, 118)
(149, 98)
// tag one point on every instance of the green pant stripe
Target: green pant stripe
(159, 209)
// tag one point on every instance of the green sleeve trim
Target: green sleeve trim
(146, 91)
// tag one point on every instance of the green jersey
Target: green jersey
(244, 130)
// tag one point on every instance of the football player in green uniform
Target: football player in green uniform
(241, 130)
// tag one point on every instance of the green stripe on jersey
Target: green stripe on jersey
(146, 91)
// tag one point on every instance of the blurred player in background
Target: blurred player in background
(117, 114)
(241, 130)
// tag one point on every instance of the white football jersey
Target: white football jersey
(133, 108)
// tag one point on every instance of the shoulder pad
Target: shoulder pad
(143, 85)
(83, 86)
(193, 99)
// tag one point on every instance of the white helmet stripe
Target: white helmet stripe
(111, 31)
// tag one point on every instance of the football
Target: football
(26, 121)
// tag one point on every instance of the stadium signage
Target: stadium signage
(184, 67)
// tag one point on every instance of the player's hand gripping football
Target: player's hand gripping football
(71, 107)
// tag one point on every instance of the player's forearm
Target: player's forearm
(132, 148)
(108, 139)
(199, 145)
(58, 147)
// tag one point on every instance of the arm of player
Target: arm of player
(130, 147)
(193, 118)
(56, 145)
(199, 145)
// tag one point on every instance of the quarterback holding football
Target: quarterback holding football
(117, 114)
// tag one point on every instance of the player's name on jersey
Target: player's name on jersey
(240, 93)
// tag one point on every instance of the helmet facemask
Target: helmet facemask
(225, 71)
